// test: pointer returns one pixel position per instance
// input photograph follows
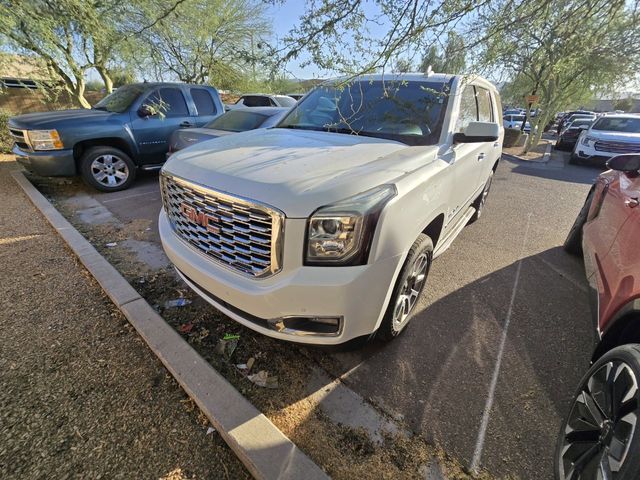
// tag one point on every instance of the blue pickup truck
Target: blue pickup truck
(127, 130)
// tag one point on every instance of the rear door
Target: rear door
(206, 109)
(152, 133)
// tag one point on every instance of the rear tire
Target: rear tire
(107, 169)
(573, 242)
(482, 199)
(600, 436)
(408, 288)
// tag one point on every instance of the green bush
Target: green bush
(6, 141)
(511, 137)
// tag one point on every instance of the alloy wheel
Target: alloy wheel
(601, 424)
(109, 170)
(410, 291)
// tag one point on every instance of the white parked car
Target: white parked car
(323, 229)
(262, 100)
(607, 137)
(515, 121)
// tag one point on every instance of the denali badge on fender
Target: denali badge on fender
(201, 218)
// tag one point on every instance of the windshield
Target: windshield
(578, 123)
(612, 124)
(518, 118)
(407, 111)
(121, 99)
(237, 121)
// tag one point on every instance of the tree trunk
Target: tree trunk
(106, 78)
(78, 93)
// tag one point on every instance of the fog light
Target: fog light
(328, 326)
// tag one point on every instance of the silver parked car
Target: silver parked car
(234, 121)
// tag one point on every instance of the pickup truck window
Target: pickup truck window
(410, 111)
(204, 102)
(120, 100)
(168, 100)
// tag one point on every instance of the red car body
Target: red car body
(611, 246)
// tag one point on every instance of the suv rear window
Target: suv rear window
(256, 101)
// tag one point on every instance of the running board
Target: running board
(148, 168)
(453, 233)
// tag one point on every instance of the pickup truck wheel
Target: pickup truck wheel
(573, 243)
(482, 199)
(107, 169)
(409, 286)
(600, 437)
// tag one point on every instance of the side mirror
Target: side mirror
(477, 132)
(145, 111)
(627, 163)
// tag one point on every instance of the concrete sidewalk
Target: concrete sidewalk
(82, 396)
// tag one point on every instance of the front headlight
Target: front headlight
(45, 140)
(341, 234)
(587, 140)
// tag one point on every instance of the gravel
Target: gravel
(82, 396)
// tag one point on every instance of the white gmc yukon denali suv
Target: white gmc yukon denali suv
(323, 229)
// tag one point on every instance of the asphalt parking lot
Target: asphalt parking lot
(503, 333)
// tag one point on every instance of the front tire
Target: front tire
(409, 285)
(573, 242)
(600, 437)
(107, 169)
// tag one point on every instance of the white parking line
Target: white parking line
(477, 454)
(131, 196)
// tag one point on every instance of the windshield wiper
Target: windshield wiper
(303, 127)
(350, 131)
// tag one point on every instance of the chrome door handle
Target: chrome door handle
(481, 156)
(632, 202)
(496, 144)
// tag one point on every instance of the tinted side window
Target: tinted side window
(168, 101)
(204, 102)
(257, 101)
(468, 109)
(485, 113)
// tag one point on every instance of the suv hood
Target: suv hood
(57, 119)
(296, 171)
(614, 136)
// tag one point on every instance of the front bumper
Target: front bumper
(357, 295)
(48, 163)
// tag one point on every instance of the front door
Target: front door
(468, 157)
(169, 111)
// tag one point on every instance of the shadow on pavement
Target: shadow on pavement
(437, 374)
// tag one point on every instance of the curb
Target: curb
(546, 157)
(263, 449)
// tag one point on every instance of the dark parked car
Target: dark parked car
(569, 135)
(600, 437)
(127, 130)
(234, 121)
(567, 115)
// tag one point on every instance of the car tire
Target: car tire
(480, 202)
(601, 432)
(573, 242)
(408, 288)
(107, 169)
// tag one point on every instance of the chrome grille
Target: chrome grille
(239, 233)
(617, 147)
(20, 137)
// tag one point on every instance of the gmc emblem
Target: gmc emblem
(201, 218)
